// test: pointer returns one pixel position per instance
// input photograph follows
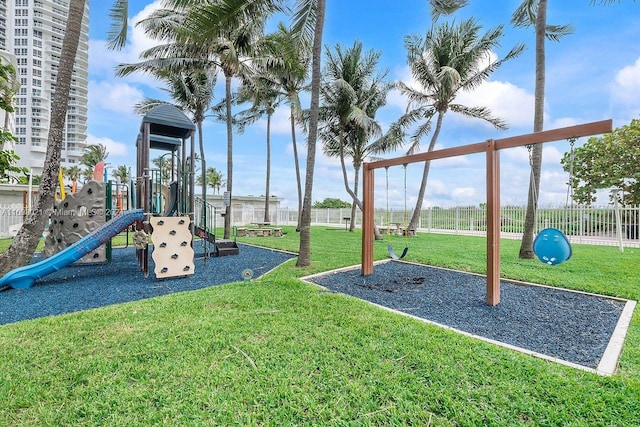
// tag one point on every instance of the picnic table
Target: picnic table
(398, 226)
(260, 231)
(261, 224)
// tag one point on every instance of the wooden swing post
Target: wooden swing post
(491, 149)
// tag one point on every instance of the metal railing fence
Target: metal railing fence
(582, 224)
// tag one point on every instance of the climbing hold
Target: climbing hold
(174, 256)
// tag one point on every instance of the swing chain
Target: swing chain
(530, 151)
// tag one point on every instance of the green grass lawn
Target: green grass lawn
(277, 352)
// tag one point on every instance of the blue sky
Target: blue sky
(592, 74)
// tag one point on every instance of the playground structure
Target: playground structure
(81, 226)
(170, 210)
(492, 149)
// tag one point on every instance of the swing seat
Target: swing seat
(393, 255)
(551, 246)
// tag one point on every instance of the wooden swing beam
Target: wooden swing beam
(491, 147)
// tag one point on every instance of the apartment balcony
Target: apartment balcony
(80, 128)
(50, 49)
(81, 79)
(75, 148)
(82, 61)
(38, 148)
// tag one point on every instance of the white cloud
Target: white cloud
(114, 148)
(103, 61)
(626, 86)
(504, 99)
(280, 121)
(625, 93)
(464, 193)
(114, 97)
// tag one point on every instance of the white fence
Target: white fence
(582, 224)
(11, 216)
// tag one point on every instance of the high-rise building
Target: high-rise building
(33, 31)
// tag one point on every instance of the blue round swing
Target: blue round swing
(551, 246)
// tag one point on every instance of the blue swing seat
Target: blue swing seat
(551, 246)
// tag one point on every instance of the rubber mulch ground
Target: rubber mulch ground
(76, 288)
(571, 326)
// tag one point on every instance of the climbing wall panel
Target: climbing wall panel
(74, 218)
(172, 249)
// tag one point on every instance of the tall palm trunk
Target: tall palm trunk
(526, 246)
(356, 181)
(25, 242)
(415, 217)
(227, 210)
(304, 253)
(297, 165)
(268, 179)
(203, 172)
(353, 193)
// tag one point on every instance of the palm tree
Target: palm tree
(87, 174)
(534, 13)
(204, 23)
(530, 13)
(94, 154)
(352, 93)
(72, 174)
(122, 173)
(264, 96)
(214, 179)
(25, 242)
(190, 81)
(451, 58)
(318, 11)
(289, 73)
(163, 164)
(199, 35)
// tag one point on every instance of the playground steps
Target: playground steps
(226, 247)
(204, 234)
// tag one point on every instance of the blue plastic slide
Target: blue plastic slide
(23, 277)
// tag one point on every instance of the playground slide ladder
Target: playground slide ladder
(205, 226)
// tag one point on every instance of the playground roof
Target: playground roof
(159, 142)
(167, 120)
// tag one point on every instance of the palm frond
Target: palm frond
(117, 35)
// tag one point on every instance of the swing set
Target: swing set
(491, 148)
